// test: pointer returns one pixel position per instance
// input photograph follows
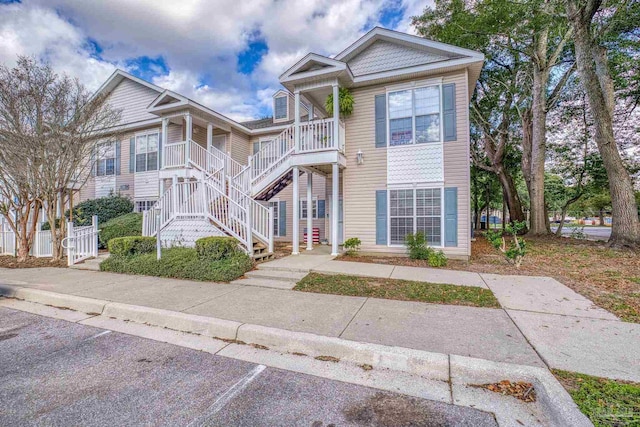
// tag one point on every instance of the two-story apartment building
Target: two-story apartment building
(397, 165)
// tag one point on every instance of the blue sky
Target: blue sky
(226, 54)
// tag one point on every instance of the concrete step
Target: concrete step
(92, 264)
(267, 267)
(265, 283)
(290, 276)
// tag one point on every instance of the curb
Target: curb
(460, 370)
(84, 305)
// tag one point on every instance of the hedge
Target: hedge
(122, 226)
(216, 247)
(180, 263)
(132, 245)
(106, 208)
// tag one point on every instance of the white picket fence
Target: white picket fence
(81, 242)
(7, 240)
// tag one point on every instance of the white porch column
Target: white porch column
(336, 116)
(163, 143)
(309, 211)
(296, 125)
(335, 200)
(311, 112)
(188, 123)
(296, 212)
(209, 142)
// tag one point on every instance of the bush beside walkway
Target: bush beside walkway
(180, 263)
(403, 290)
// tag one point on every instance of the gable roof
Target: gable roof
(383, 55)
(117, 77)
(314, 65)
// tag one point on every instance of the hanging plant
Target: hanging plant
(345, 100)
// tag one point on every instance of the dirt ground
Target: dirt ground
(610, 278)
(31, 262)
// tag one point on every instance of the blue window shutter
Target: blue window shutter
(282, 218)
(132, 155)
(451, 216)
(449, 111)
(381, 120)
(159, 150)
(256, 147)
(381, 217)
(320, 209)
(117, 157)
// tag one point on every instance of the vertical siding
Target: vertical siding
(456, 163)
(132, 99)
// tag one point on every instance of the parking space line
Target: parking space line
(228, 395)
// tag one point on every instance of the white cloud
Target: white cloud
(43, 34)
(198, 39)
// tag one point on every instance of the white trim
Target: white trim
(111, 83)
(389, 35)
(333, 65)
(413, 86)
(276, 218)
(369, 78)
(286, 117)
(145, 132)
(314, 199)
(414, 187)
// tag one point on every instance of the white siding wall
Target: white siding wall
(360, 182)
(132, 99)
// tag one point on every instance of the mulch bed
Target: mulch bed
(7, 261)
(608, 277)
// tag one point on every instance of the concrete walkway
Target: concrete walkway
(542, 320)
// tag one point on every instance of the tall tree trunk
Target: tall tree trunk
(539, 221)
(510, 195)
(595, 75)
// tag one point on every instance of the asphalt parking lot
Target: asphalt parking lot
(61, 373)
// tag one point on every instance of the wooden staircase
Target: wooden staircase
(261, 251)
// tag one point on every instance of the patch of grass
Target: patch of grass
(404, 290)
(606, 402)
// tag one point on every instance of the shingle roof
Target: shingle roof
(267, 122)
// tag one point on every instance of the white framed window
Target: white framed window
(144, 205)
(280, 107)
(106, 159)
(275, 204)
(147, 151)
(413, 210)
(415, 115)
(314, 208)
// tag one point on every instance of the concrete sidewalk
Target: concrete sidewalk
(542, 320)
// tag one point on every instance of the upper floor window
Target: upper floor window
(280, 107)
(106, 159)
(147, 152)
(414, 116)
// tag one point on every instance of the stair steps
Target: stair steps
(92, 264)
(291, 276)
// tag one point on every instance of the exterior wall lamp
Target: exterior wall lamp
(359, 157)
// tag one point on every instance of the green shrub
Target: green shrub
(417, 245)
(106, 208)
(132, 245)
(214, 248)
(437, 259)
(122, 226)
(181, 263)
(419, 249)
(352, 245)
(515, 251)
